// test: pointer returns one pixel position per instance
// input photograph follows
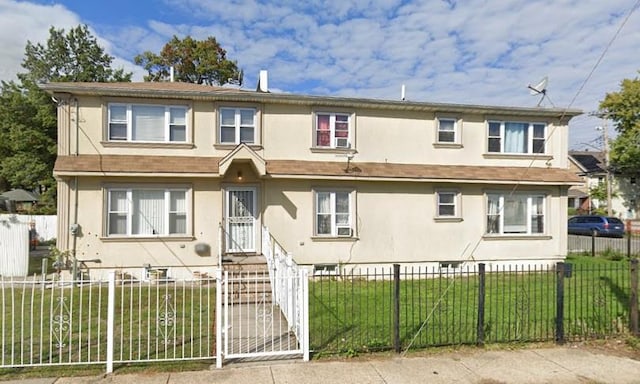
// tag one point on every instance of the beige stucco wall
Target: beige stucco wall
(395, 223)
(286, 132)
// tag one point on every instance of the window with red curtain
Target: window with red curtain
(323, 130)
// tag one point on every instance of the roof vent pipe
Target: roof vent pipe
(171, 74)
(263, 81)
(402, 89)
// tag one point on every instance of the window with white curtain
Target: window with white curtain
(333, 213)
(147, 123)
(237, 125)
(447, 130)
(515, 213)
(516, 137)
(147, 212)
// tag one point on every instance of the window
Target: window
(147, 123)
(447, 130)
(146, 212)
(333, 130)
(237, 125)
(333, 214)
(447, 203)
(516, 137)
(515, 214)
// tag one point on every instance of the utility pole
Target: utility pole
(605, 137)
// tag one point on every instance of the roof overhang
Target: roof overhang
(210, 93)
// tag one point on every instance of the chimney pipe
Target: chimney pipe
(263, 81)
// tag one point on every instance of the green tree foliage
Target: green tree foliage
(28, 121)
(71, 56)
(194, 61)
(623, 107)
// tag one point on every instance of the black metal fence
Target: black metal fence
(406, 308)
(610, 247)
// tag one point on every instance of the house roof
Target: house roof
(188, 166)
(20, 195)
(190, 91)
(589, 162)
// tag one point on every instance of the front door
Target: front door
(241, 219)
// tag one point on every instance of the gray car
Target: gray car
(595, 225)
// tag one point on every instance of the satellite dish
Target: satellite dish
(540, 89)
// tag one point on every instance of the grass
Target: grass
(351, 315)
(66, 324)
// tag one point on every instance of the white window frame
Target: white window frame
(237, 125)
(129, 123)
(531, 140)
(455, 203)
(455, 131)
(498, 212)
(167, 212)
(336, 231)
(334, 142)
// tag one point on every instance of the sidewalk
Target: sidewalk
(542, 365)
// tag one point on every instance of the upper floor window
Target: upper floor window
(515, 213)
(516, 137)
(237, 125)
(146, 211)
(447, 130)
(332, 130)
(147, 123)
(333, 213)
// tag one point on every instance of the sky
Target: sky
(448, 51)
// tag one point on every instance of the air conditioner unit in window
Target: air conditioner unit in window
(344, 231)
(342, 142)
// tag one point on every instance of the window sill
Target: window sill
(136, 239)
(332, 150)
(332, 238)
(255, 147)
(448, 145)
(523, 156)
(492, 237)
(133, 144)
(447, 219)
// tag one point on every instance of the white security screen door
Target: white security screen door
(241, 219)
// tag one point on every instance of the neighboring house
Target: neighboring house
(590, 167)
(148, 173)
(19, 200)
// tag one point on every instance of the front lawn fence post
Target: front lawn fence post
(111, 303)
(633, 305)
(481, 296)
(629, 244)
(560, 303)
(396, 308)
(593, 245)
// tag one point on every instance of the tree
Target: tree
(193, 61)
(28, 122)
(623, 107)
(74, 56)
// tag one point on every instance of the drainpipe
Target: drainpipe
(74, 226)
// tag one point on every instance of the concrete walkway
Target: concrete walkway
(542, 365)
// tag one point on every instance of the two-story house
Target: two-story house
(591, 167)
(172, 174)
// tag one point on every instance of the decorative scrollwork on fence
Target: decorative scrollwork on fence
(61, 323)
(166, 320)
